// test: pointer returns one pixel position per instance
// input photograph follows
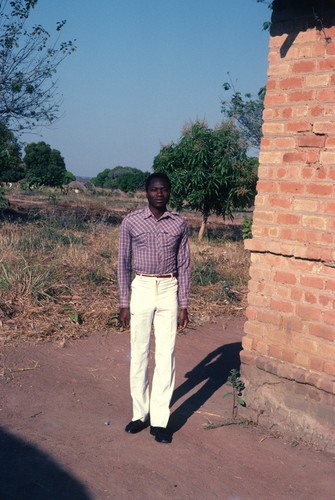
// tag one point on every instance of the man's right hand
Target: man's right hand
(124, 316)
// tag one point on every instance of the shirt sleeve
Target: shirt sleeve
(184, 269)
(124, 264)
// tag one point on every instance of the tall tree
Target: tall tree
(247, 112)
(209, 170)
(28, 63)
(44, 166)
(11, 165)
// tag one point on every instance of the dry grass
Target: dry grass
(58, 269)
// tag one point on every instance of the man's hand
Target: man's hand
(124, 316)
(182, 319)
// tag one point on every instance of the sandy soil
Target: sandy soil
(64, 408)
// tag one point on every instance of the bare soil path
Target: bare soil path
(63, 409)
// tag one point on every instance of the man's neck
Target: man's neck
(157, 213)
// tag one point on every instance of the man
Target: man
(154, 245)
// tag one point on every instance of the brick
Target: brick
(275, 352)
(327, 157)
(291, 83)
(285, 277)
(305, 205)
(286, 234)
(304, 344)
(307, 312)
(330, 48)
(270, 157)
(330, 142)
(281, 306)
(316, 110)
(273, 128)
(304, 67)
(255, 329)
(280, 201)
(320, 189)
(329, 317)
(295, 157)
(265, 142)
(329, 110)
(288, 355)
(302, 359)
(301, 96)
(271, 84)
(326, 351)
(329, 368)
(317, 80)
(268, 317)
(292, 324)
(284, 143)
(262, 348)
(287, 113)
(310, 35)
(311, 298)
(316, 364)
(264, 216)
(326, 301)
(312, 156)
(247, 343)
(289, 219)
(312, 282)
(301, 111)
(291, 187)
(329, 208)
(250, 311)
(267, 186)
(327, 64)
(302, 126)
(324, 127)
(322, 331)
(325, 95)
(275, 99)
(281, 69)
(327, 385)
(311, 141)
(313, 221)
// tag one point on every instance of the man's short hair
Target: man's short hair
(157, 175)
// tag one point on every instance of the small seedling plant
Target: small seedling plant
(238, 386)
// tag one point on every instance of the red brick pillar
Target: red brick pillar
(288, 361)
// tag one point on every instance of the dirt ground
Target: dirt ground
(64, 408)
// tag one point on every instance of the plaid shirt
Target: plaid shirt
(154, 246)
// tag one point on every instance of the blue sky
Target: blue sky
(144, 68)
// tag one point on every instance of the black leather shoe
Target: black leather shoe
(162, 435)
(136, 426)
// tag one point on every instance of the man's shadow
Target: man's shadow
(214, 370)
(27, 472)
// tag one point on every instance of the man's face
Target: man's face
(158, 194)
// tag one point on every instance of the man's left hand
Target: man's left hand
(182, 319)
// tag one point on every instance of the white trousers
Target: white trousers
(153, 303)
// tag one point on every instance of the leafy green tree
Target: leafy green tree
(209, 170)
(11, 165)
(28, 63)
(124, 178)
(247, 112)
(3, 200)
(132, 181)
(44, 166)
(69, 177)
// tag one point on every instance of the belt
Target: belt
(170, 275)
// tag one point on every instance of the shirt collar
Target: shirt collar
(168, 214)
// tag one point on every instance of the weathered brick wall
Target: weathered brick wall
(290, 331)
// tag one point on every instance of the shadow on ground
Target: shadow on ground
(29, 473)
(212, 372)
